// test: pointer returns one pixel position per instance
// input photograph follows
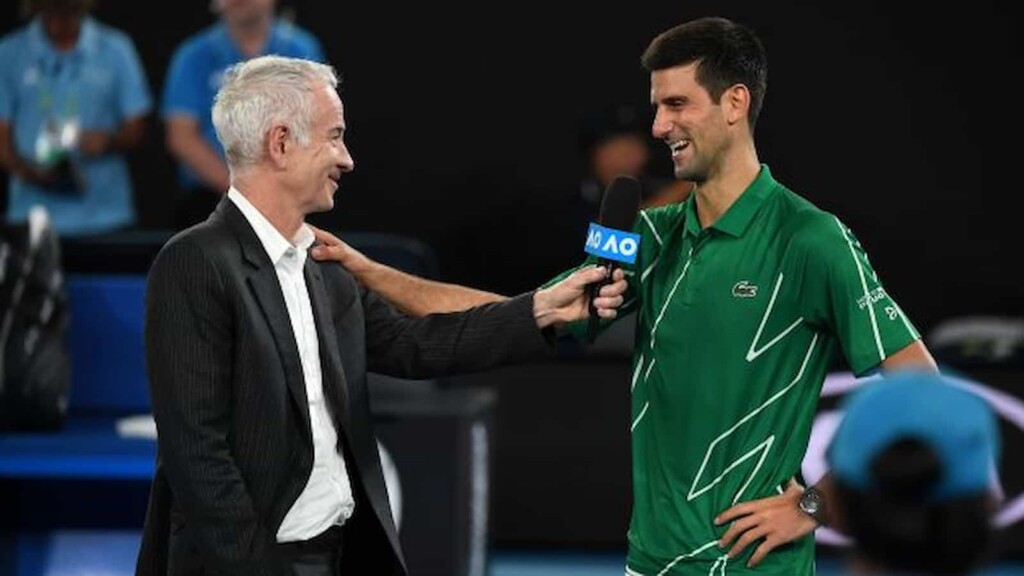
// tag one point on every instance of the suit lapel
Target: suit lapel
(333, 371)
(266, 288)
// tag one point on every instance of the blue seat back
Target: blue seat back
(105, 341)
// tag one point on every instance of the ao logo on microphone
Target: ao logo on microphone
(612, 244)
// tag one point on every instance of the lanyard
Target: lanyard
(59, 133)
(64, 67)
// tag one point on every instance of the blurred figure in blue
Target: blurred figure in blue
(73, 101)
(914, 462)
(245, 29)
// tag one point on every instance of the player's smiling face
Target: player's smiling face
(690, 123)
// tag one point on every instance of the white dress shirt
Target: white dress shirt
(327, 498)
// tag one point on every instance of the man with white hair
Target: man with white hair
(257, 355)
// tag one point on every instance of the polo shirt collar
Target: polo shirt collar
(88, 39)
(738, 217)
(270, 45)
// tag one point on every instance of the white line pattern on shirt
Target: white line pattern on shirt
(864, 284)
(906, 321)
(763, 447)
(668, 300)
(685, 556)
(636, 373)
(753, 353)
(649, 269)
(647, 219)
(643, 412)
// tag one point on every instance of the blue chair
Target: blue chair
(85, 476)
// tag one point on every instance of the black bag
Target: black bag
(35, 375)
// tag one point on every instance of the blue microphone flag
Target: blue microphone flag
(611, 244)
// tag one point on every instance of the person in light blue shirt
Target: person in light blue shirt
(245, 29)
(73, 101)
(916, 489)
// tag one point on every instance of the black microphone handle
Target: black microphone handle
(593, 290)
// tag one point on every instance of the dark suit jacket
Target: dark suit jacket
(228, 396)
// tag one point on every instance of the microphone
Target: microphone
(611, 239)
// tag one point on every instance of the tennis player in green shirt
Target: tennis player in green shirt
(743, 293)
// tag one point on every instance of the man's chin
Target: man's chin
(328, 199)
(325, 206)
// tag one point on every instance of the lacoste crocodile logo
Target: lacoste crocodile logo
(744, 289)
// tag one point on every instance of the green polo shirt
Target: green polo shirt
(737, 324)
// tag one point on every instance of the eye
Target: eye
(676, 103)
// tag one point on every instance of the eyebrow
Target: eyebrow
(670, 99)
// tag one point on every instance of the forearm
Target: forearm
(189, 148)
(128, 136)
(9, 158)
(414, 296)
(418, 296)
(12, 163)
(913, 356)
(206, 164)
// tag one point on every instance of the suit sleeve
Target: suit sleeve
(439, 344)
(188, 334)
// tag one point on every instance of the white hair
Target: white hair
(261, 93)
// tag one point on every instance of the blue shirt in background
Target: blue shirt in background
(198, 66)
(101, 83)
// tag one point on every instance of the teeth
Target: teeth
(678, 145)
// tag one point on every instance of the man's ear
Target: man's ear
(736, 101)
(278, 144)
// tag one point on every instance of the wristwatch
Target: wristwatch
(812, 503)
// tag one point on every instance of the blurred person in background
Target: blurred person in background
(616, 143)
(245, 28)
(914, 467)
(73, 102)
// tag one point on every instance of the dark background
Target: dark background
(463, 123)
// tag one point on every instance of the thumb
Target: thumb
(320, 252)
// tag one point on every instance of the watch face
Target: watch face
(810, 502)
